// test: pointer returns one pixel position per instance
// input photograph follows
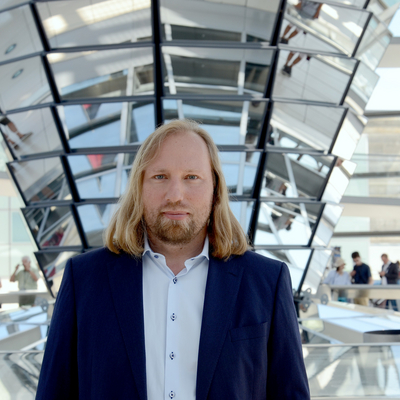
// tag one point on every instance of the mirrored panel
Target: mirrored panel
(17, 25)
(30, 132)
(295, 175)
(319, 261)
(240, 170)
(52, 226)
(215, 70)
(303, 76)
(349, 135)
(296, 260)
(326, 225)
(338, 180)
(107, 124)
(101, 175)
(286, 223)
(323, 27)
(374, 43)
(93, 22)
(231, 21)
(41, 180)
(95, 218)
(106, 73)
(243, 211)
(52, 265)
(23, 84)
(228, 122)
(304, 126)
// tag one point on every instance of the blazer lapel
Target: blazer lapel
(126, 284)
(222, 287)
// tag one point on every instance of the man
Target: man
(27, 280)
(175, 307)
(361, 274)
(389, 276)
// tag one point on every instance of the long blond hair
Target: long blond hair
(126, 229)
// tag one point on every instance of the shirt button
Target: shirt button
(171, 394)
(173, 317)
(192, 259)
(156, 256)
(172, 355)
(175, 280)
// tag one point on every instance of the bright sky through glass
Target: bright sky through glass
(386, 93)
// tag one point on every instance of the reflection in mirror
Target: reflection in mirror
(296, 260)
(93, 22)
(232, 21)
(304, 126)
(101, 175)
(52, 264)
(23, 84)
(216, 70)
(349, 135)
(242, 210)
(338, 180)
(326, 225)
(17, 25)
(318, 263)
(239, 169)
(295, 175)
(228, 122)
(95, 218)
(106, 73)
(31, 132)
(107, 124)
(312, 77)
(41, 180)
(322, 27)
(52, 226)
(286, 223)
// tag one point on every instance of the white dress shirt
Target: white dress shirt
(173, 310)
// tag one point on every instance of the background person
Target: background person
(361, 275)
(338, 276)
(389, 276)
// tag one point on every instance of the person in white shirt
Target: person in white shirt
(338, 276)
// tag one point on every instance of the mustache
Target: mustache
(177, 206)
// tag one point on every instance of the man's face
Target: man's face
(384, 259)
(178, 190)
(26, 263)
(357, 260)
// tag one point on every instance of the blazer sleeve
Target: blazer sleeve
(59, 373)
(392, 272)
(286, 376)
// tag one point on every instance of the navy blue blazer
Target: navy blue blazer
(249, 349)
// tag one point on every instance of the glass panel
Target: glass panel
(228, 122)
(349, 135)
(17, 25)
(319, 261)
(338, 181)
(23, 84)
(94, 22)
(31, 132)
(295, 175)
(322, 27)
(107, 73)
(296, 260)
(304, 126)
(312, 77)
(101, 175)
(95, 218)
(107, 124)
(326, 225)
(361, 88)
(347, 371)
(213, 20)
(52, 226)
(374, 43)
(385, 221)
(243, 211)
(41, 180)
(19, 232)
(52, 265)
(240, 170)
(286, 223)
(216, 71)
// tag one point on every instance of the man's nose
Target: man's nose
(175, 190)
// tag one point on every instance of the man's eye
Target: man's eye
(159, 177)
(192, 176)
